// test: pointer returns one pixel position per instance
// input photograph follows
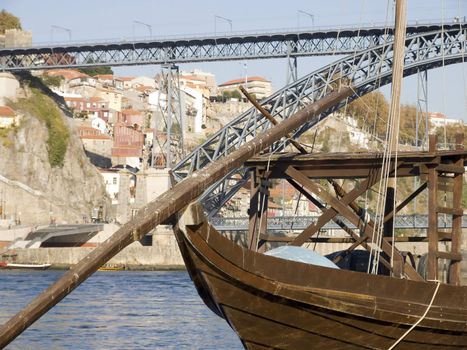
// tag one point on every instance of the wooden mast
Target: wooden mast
(394, 115)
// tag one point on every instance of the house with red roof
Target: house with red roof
(259, 86)
(95, 141)
(131, 117)
(128, 146)
(8, 117)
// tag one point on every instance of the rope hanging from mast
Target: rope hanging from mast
(392, 132)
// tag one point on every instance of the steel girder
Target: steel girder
(366, 71)
(213, 48)
(286, 223)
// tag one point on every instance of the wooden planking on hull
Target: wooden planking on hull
(249, 286)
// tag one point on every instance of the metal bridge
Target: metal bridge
(233, 46)
(292, 223)
(366, 70)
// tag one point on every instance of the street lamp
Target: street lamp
(143, 24)
(53, 27)
(307, 14)
(224, 19)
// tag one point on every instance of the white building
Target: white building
(112, 183)
(438, 119)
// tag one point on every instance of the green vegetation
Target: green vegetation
(371, 113)
(92, 71)
(52, 80)
(451, 131)
(5, 137)
(8, 21)
(227, 95)
(44, 108)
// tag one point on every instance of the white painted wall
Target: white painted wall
(8, 86)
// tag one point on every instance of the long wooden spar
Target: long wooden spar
(157, 212)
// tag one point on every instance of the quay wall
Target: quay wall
(163, 254)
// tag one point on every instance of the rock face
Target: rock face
(33, 191)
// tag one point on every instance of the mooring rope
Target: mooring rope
(419, 320)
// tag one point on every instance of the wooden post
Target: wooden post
(263, 208)
(253, 212)
(432, 265)
(456, 239)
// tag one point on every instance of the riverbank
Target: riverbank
(163, 254)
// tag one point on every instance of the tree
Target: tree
(92, 71)
(371, 112)
(8, 21)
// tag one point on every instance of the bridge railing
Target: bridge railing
(291, 223)
(231, 34)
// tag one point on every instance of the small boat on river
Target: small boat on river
(8, 265)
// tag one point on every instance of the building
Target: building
(112, 96)
(8, 117)
(8, 87)
(199, 80)
(258, 86)
(94, 141)
(438, 119)
(112, 183)
(92, 107)
(16, 38)
(131, 117)
(128, 146)
(123, 83)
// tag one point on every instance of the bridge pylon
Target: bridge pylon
(168, 119)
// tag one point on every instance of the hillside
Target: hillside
(44, 173)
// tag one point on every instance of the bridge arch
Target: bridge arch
(366, 71)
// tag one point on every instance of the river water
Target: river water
(117, 310)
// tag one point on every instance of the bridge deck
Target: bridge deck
(232, 46)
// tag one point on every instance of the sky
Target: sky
(119, 19)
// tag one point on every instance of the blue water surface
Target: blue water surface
(116, 310)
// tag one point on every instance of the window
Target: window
(115, 180)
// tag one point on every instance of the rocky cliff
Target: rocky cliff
(44, 173)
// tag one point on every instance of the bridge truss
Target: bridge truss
(366, 71)
(299, 223)
(208, 48)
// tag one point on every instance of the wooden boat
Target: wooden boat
(7, 265)
(273, 303)
(111, 268)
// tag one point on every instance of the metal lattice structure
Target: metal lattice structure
(235, 46)
(168, 122)
(366, 71)
(288, 223)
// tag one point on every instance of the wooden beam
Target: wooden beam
(252, 237)
(158, 211)
(406, 201)
(355, 238)
(342, 208)
(432, 264)
(456, 238)
(269, 117)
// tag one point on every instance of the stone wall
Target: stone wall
(163, 254)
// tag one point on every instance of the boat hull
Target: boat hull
(11, 266)
(277, 304)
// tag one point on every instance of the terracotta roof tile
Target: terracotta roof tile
(242, 80)
(6, 111)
